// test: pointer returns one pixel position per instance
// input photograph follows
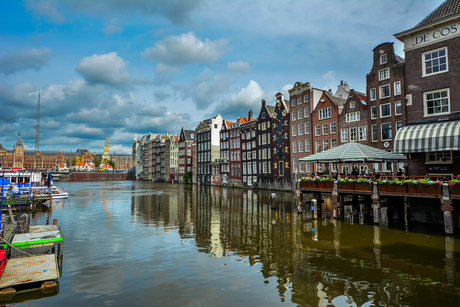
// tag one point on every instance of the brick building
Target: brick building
(186, 138)
(387, 107)
(353, 119)
(325, 130)
(264, 144)
(236, 164)
(281, 150)
(249, 150)
(432, 77)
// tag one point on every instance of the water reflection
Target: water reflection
(138, 243)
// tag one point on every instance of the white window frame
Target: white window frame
(389, 108)
(362, 135)
(353, 134)
(383, 59)
(307, 145)
(324, 113)
(396, 123)
(372, 115)
(317, 130)
(300, 129)
(293, 101)
(396, 86)
(318, 146)
(352, 117)
(352, 104)
(333, 131)
(396, 107)
(380, 91)
(300, 145)
(294, 130)
(424, 74)
(299, 115)
(307, 127)
(439, 157)
(325, 129)
(344, 132)
(383, 71)
(325, 144)
(372, 133)
(381, 132)
(294, 146)
(425, 107)
(294, 116)
(373, 94)
(306, 112)
(333, 142)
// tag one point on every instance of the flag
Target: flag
(64, 188)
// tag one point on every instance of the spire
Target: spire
(19, 141)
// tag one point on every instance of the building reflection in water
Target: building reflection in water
(314, 262)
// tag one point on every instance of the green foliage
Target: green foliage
(96, 161)
(187, 176)
(111, 163)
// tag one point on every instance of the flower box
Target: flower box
(363, 186)
(424, 189)
(309, 184)
(346, 185)
(329, 185)
(398, 188)
(455, 190)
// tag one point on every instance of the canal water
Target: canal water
(131, 243)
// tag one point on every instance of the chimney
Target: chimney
(263, 102)
(250, 115)
(341, 82)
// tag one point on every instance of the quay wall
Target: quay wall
(99, 176)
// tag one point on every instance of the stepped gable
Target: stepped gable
(19, 141)
(447, 8)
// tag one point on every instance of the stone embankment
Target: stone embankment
(98, 176)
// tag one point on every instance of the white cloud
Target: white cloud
(239, 67)
(24, 59)
(46, 8)
(186, 49)
(330, 80)
(112, 28)
(105, 68)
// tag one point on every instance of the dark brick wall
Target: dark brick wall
(417, 85)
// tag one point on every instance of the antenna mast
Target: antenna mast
(37, 129)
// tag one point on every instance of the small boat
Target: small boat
(56, 192)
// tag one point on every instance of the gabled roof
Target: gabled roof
(242, 120)
(227, 124)
(1, 147)
(188, 135)
(447, 8)
(270, 109)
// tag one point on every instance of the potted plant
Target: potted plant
(308, 183)
(325, 183)
(363, 184)
(454, 186)
(345, 184)
(423, 186)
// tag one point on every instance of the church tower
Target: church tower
(106, 156)
(18, 159)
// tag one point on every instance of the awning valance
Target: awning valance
(428, 137)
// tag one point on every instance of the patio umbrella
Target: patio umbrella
(354, 152)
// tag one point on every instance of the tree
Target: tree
(111, 163)
(96, 161)
(187, 176)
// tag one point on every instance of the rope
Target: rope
(8, 243)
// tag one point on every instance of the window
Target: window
(294, 146)
(317, 130)
(333, 127)
(398, 126)
(300, 111)
(333, 142)
(384, 74)
(281, 168)
(318, 167)
(293, 102)
(439, 157)
(294, 130)
(374, 133)
(299, 101)
(325, 113)
(306, 112)
(325, 129)
(318, 146)
(253, 134)
(306, 98)
(398, 109)
(294, 115)
(386, 132)
(397, 88)
(373, 112)
(352, 104)
(307, 145)
(434, 62)
(385, 91)
(352, 117)
(325, 144)
(307, 127)
(300, 130)
(385, 110)
(344, 135)
(353, 134)
(300, 146)
(373, 94)
(362, 133)
(436, 103)
(383, 58)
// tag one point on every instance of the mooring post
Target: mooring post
(375, 203)
(273, 201)
(406, 212)
(446, 207)
(299, 201)
(335, 201)
(449, 268)
(314, 208)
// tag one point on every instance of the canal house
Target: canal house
(432, 70)
(249, 150)
(281, 157)
(264, 144)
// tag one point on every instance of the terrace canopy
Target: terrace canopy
(354, 152)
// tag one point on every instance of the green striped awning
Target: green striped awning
(428, 138)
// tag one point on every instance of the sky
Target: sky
(131, 67)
